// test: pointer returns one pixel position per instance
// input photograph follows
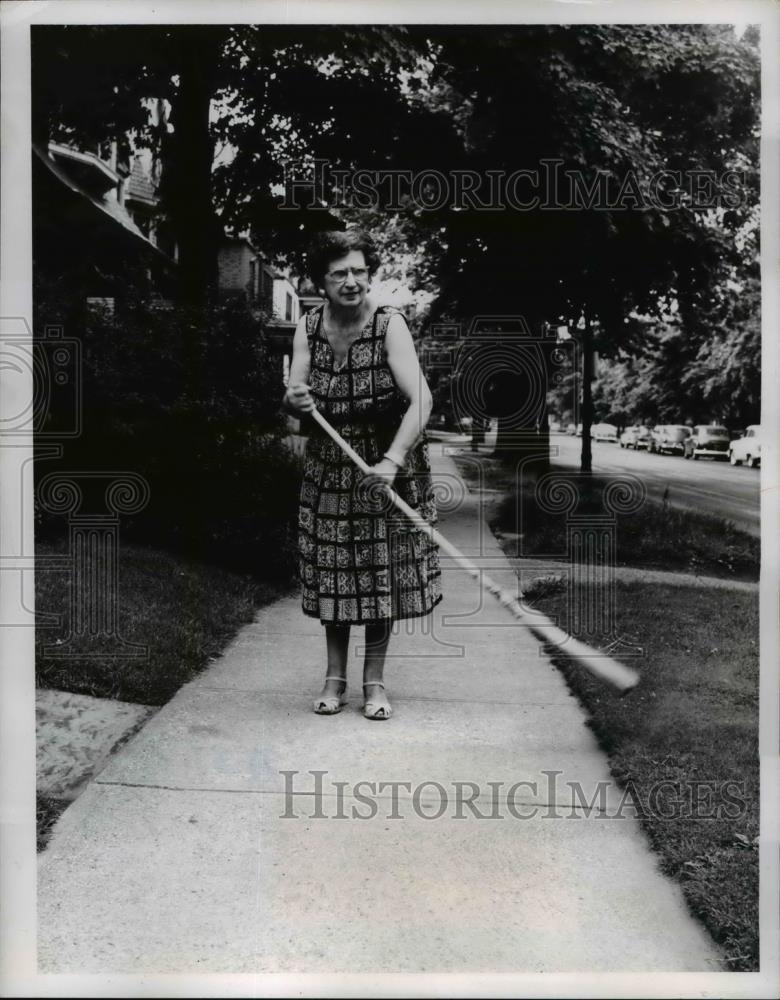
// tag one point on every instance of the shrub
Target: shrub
(190, 401)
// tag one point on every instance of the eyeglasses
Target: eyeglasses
(342, 273)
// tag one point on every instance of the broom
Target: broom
(595, 662)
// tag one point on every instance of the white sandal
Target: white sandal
(370, 709)
(331, 704)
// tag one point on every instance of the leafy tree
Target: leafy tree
(605, 101)
(262, 91)
(727, 368)
(695, 372)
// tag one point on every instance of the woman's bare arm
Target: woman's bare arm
(403, 363)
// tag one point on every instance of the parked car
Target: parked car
(643, 437)
(630, 436)
(747, 448)
(571, 428)
(669, 438)
(555, 427)
(708, 441)
(604, 432)
(655, 433)
(578, 431)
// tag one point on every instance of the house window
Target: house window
(101, 304)
(288, 309)
(253, 276)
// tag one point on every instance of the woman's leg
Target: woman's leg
(377, 638)
(337, 640)
(332, 699)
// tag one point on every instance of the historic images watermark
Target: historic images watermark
(542, 796)
(91, 501)
(550, 186)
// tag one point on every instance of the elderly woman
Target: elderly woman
(360, 562)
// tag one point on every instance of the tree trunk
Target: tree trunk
(528, 441)
(587, 397)
(188, 164)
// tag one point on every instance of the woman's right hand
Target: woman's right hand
(298, 398)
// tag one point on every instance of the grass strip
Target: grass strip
(183, 611)
(47, 812)
(686, 741)
(657, 536)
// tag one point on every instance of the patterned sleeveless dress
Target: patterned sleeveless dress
(360, 560)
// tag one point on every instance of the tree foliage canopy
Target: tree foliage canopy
(611, 103)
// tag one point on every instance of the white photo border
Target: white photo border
(18, 973)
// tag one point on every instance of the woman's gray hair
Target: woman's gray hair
(329, 246)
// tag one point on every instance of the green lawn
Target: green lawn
(183, 612)
(693, 717)
(656, 536)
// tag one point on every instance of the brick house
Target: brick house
(244, 272)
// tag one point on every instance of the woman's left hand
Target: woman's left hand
(384, 471)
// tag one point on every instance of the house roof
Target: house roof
(85, 166)
(109, 209)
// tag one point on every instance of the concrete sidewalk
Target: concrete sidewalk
(193, 851)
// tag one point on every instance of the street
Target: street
(711, 486)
